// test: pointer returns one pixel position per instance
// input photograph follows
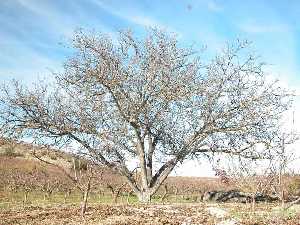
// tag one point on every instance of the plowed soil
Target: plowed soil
(187, 214)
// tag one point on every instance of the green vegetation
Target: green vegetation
(10, 152)
(28, 185)
(10, 200)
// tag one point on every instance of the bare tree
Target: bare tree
(47, 187)
(149, 100)
(115, 191)
(165, 192)
(64, 186)
(247, 175)
(26, 182)
(282, 169)
(81, 174)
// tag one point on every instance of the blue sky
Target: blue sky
(33, 32)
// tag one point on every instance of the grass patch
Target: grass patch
(289, 213)
(16, 199)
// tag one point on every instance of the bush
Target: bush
(53, 156)
(80, 164)
(294, 187)
(10, 152)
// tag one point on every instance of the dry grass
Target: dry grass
(173, 214)
(54, 211)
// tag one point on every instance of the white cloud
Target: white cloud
(133, 16)
(212, 40)
(58, 23)
(252, 27)
(143, 21)
(20, 61)
(214, 6)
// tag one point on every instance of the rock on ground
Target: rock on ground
(118, 220)
(217, 212)
(229, 222)
(236, 196)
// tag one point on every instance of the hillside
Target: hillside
(20, 168)
(32, 189)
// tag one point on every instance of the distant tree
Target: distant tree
(47, 186)
(81, 175)
(26, 182)
(115, 191)
(282, 169)
(151, 100)
(251, 177)
(222, 175)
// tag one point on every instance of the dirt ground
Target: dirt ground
(175, 214)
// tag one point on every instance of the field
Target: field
(172, 214)
(175, 210)
(35, 193)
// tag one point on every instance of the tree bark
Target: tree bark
(85, 198)
(164, 196)
(144, 197)
(176, 193)
(285, 207)
(128, 196)
(253, 202)
(144, 193)
(25, 197)
(65, 198)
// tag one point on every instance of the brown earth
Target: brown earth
(175, 214)
(17, 160)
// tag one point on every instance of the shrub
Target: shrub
(80, 164)
(53, 156)
(10, 152)
(293, 187)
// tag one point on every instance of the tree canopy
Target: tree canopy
(151, 100)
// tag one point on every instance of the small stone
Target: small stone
(217, 212)
(187, 221)
(229, 222)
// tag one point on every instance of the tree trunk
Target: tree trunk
(25, 197)
(128, 197)
(84, 203)
(49, 196)
(115, 197)
(85, 198)
(253, 202)
(163, 197)
(144, 197)
(176, 193)
(150, 186)
(65, 198)
(285, 207)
